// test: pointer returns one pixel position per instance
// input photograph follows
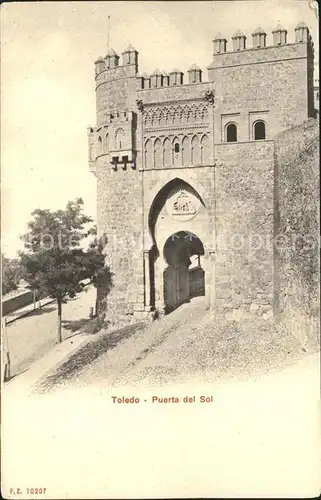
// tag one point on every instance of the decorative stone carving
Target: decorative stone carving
(176, 115)
(160, 150)
(182, 205)
(209, 96)
(140, 105)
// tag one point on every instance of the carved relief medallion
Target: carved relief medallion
(182, 205)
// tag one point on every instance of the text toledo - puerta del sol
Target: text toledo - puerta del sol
(157, 399)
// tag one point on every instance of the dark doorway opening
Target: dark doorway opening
(184, 277)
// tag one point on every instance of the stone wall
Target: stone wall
(270, 85)
(119, 215)
(13, 303)
(115, 90)
(297, 231)
(175, 93)
(244, 228)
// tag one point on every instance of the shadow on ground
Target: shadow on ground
(78, 326)
(43, 310)
(33, 312)
(87, 355)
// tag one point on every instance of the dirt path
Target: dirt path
(187, 345)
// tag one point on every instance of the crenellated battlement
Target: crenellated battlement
(159, 79)
(119, 87)
(261, 52)
(109, 69)
(259, 39)
(110, 64)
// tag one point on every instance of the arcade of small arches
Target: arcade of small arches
(177, 151)
(104, 144)
(172, 115)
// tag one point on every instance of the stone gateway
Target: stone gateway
(189, 189)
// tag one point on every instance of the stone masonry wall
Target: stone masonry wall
(244, 228)
(297, 232)
(115, 90)
(175, 93)
(119, 215)
(275, 91)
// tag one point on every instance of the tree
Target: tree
(11, 274)
(54, 262)
(102, 277)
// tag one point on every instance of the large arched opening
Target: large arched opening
(184, 276)
(180, 236)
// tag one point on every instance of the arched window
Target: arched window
(119, 138)
(167, 153)
(148, 154)
(196, 151)
(259, 131)
(176, 149)
(147, 119)
(158, 154)
(100, 147)
(231, 132)
(194, 112)
(205, 150)
(107, 142)
(186, 151)
(91, 152)
(162, 119)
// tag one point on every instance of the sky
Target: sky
(48, 51)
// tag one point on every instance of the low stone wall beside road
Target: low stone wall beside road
(14, 303)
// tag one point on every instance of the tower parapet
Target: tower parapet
(239, 41)
(165, 79)
(116, 83)
(176, 77)
(279, 35)
(156, 79)
(219, 44)
(259, 38)
(194, 74)
(100, 65)
(112, 59)
(302, 33)
(130, 56)
(110, 63)
(161, 79)
(260, 50)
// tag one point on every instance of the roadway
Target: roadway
(31, 337)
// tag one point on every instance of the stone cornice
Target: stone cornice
(175, 129)
(177, 101)
(213, 165)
